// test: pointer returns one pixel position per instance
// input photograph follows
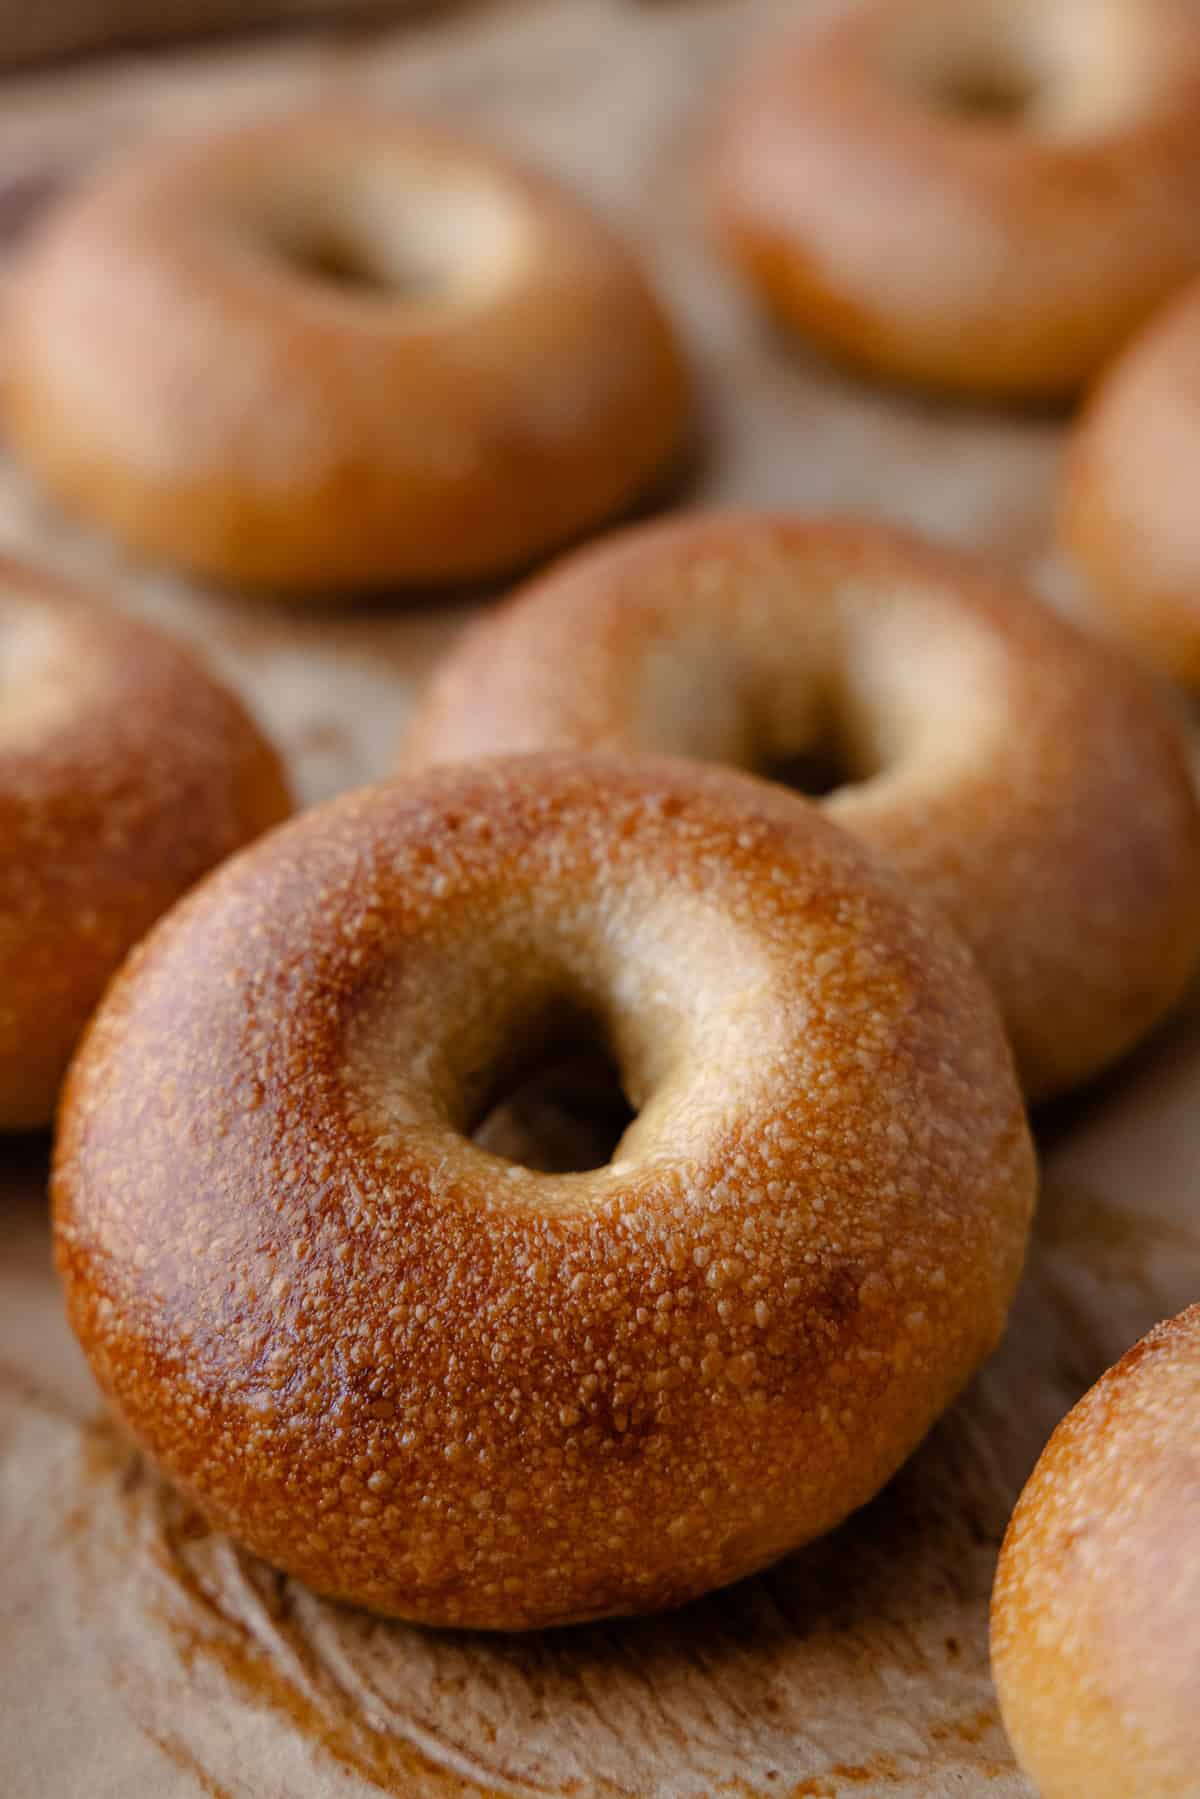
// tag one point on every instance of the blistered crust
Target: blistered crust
(126, 772)
(1021, 775)
(1095, 1642)
(438, 1384)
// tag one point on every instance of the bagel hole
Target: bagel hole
(989, 95)
(834, 746)
(984, 79)
(815, 772)
(383, 237)
(557, 1105)
(339, 261)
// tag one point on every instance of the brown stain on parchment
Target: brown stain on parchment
(200, 1629)
(206, 1634)
(184, 1760)
(377, 1757)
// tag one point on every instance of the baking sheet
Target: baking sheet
(139, 1654)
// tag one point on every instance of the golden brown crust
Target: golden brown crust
(1129, 514)
(126, 772)
(998, 257)
(1022, 775)
(1096, 1610)
(441, 1385)
(174, 375)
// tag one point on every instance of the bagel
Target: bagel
(126, 772)
(1095, 1633)
(1020, 774)
(442, 1385)
(1128, 515)
(338, 350)
(983, 198)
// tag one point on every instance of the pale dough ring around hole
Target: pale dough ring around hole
(985, 198)
(339, 350)
(441, 1385)
(127, 771)
(1022, 775)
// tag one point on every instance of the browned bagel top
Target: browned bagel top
(339, 347)
(984, 197)
(1128, 512)
(1095, 1640)
(1022, 775)
(126, 772)
(382, 1355)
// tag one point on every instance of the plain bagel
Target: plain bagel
(1096, 1609)
(338, 349)
(1022, 775)
(984, 197)
(126, 772)
(1129, 515)
(442, 1385)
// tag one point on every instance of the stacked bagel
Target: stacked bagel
(570, 1174)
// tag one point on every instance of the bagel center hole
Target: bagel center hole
(815, 772)
(980, 66)
(380, 236)
(834, 751)
(987, 93)
(338, 259)
(556, 1105)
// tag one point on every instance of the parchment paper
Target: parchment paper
(139, 1654)
(65, 27)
